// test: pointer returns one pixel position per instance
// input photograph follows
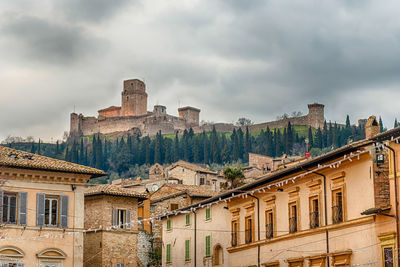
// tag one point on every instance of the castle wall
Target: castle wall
(110, 112)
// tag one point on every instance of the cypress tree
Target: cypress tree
(206, 153)
(395, 123)
(347, 121)
(176, 148)
(247, 145)
(290, 142)
(33, 149)
(81, 153)
(310, 138)
(57, 148)
(38, 150)
(381, 128)
(318, 138)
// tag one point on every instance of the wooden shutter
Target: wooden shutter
(23, 198)
(187, 250)
(168, 258)
(187, 219)
(208, 213)
(168, 224)
(64, 212)
(208, 246)
(1, 205)
(128, 219)
(115, 217)
(40, 198)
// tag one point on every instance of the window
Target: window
(10, 264)
(122, 218)
(168, 256)
(249, 229)
(169, 228)
(388, 257)
(208, 246)
(235, 231)
(337, 207)
(174, 206)
(218, 255)
(293, 217)
(202, 180)
(208, 214)
(314, 212)
(51, 211)
(120, 265)
(10, 208)
(269, 224)
(187, 219)
(187, 250)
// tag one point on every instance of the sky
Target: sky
(230, 58)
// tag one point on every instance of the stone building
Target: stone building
(338, 209)
(111, 215)
(41, 210)
(133, 116)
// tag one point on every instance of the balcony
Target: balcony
(337, 214)
(314, 219)
(293, 225)
(269, 230)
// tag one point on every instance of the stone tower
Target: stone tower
(191, 115)
(134, 98)
(316, 115)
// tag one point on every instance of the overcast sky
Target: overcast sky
(230, 58)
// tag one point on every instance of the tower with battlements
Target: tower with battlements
(134, 98)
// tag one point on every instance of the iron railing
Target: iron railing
(234, 240)
(314, 219)
(269, 229)
(337, 214)
(249, 235)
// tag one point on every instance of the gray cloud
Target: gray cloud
(257, 59)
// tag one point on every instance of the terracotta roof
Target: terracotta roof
(172, 190)
(190, 166)
(20, 159)
(112, 190)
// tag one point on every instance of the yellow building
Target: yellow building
(338, 209)
(42, 210)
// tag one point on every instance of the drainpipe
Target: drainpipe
(326, 217)
(396, 202)
(258, 229)
(195, 238)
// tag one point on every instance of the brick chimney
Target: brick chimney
(371, 127)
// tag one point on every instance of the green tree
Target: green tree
(234, 176)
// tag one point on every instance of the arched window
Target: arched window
(218, 255)
(11, 256)
(51, 257)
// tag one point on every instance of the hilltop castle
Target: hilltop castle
(132, 116)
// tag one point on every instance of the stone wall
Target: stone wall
(144, 248)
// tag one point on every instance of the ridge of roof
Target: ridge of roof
(112, 190)
(14, 158)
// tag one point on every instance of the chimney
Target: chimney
(371, 127)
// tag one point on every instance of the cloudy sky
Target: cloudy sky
(230, 58)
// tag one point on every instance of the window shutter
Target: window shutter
(64, 212)
(128, 219)
(168, 224)
(20, 265)
(208, 213)
(168, 258)
(40, 209)
(115, 217)
(208, 246)
(23, 198)
(187, 219)
(1, 205)
(187, 250)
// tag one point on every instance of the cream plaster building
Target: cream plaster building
(42, 210)
(338, 209)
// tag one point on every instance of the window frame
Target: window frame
(269, 221)
(51, 199)
(313, 211)
(291, 205)
(235, 232)
(249, 238)
(335, 204)
(8, 194)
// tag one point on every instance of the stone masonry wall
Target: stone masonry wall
(144, 248)
(381, 180)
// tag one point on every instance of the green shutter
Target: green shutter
(187, 250)
(168, 224)
(208, 214)
(187, 219)
(208, 246)
(168, 253)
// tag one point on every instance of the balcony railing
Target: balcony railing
(269, 229)
(337, 214)
(314, 219)
(292, 224)
(234, 240)
(248, 236)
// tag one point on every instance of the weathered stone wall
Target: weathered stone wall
(144, 248)
(260, 161)
(134, 98)
(190, 115)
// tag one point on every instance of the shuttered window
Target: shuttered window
(121, 219)
(169, 225)
(52, 210)
(208, 213)
(187, 219)
(168, 256)
(208, 246)
(187, 250)
(23, 198)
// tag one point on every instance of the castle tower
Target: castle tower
(134, 98)
(316, 115)
(190, 114)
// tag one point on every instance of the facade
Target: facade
(338, 209)
(132, 116)
(193, 174)
(113, 212)
(42, 210)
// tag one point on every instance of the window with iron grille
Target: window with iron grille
(249, 229)
(235, 230)
(269, 224)
(388, 257)
(314, 212)
(293, 218)
(337, 208)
